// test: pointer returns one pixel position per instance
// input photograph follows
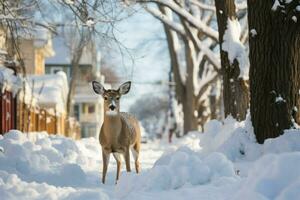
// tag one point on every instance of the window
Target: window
(91, 108)
(76, 111)
(87, 108)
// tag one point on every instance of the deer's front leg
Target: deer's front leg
(127, 160)
(117, 157)
(105, 160)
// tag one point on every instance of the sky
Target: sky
(145, 38)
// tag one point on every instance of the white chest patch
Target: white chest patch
(111, 113)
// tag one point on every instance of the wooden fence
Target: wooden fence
(15, 114)
(7, 111)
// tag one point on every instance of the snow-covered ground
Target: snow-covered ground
(225, 162)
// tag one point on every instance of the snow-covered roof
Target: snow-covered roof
(9, 81)
(50, 90)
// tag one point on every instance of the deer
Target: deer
(120, 131)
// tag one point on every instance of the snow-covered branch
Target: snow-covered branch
(202, 27)
(166, 20)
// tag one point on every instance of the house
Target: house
(87, 106)
(36, 102)
(35, 48)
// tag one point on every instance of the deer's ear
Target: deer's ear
(98, 88)
(124, 88)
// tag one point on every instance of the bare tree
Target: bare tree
(191, 36)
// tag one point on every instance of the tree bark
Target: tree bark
(74, 74)
(189, 103)
(275, 68)
(235, 91)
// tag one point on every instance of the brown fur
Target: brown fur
(118, 134)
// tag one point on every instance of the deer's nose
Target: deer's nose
(112, 107)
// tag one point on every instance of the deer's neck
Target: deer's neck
(112, 124)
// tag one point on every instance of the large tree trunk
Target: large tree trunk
(235, 91)
(275, 68)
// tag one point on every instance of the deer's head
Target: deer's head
(111, 97)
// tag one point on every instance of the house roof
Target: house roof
(50, 89)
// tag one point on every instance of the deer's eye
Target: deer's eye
(105, 98)
(118, 98)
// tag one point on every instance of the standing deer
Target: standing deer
(119, 132)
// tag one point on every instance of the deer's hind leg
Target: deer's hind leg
(135, 150)
(127, 160)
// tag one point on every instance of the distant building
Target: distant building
(88, 107)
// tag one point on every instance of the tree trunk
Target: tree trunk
(235, 91)
(189, 104)
(184, 92)
(74, 74)
(274, 42)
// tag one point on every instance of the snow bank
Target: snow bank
(41, 160)
(9, 81)
(229, 157)
(237, 140)
(39, 166)
(177, 169)
(273, 177)
(234, 139)
(271, 170)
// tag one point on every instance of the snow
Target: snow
(279, 99)
(50, 89)
(70, 2)
(235, 49)
(275, 5)
(223, 162)
(38, 166)
(253, 32)
(9, 81)
(90, 22)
